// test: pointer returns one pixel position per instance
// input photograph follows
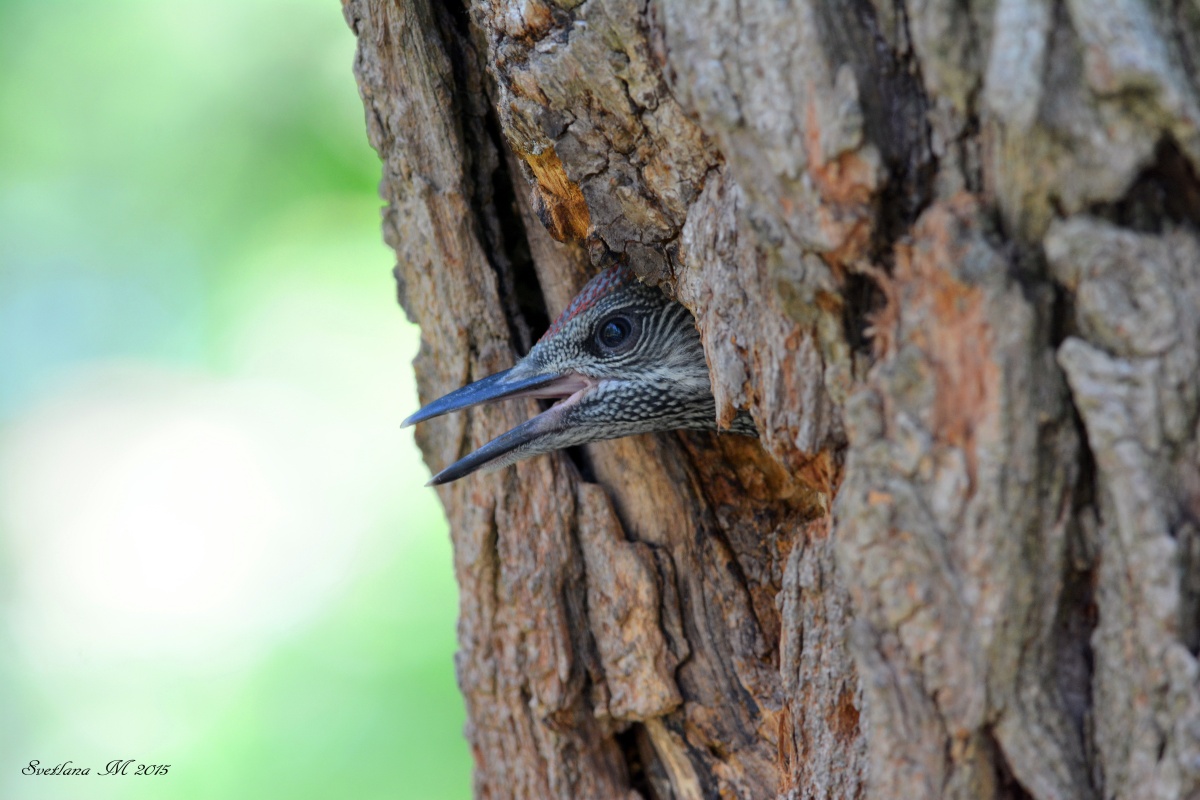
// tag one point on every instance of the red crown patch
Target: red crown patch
(610, 280)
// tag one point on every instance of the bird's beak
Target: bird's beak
(523, 440)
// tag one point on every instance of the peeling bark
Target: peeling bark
(947, 255)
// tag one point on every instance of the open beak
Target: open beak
(527, 439)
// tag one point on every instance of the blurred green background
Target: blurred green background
(215, 551)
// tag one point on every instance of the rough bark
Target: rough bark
(947, 254)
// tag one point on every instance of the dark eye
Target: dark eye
(615, 332)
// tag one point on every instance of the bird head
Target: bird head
(622, 359)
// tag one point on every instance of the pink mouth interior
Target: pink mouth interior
(566, 390)
(570, 387)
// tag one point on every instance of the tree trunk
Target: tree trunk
(947, 255)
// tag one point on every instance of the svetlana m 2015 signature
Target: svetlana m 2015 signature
(117, 767)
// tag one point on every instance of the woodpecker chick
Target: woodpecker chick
(622, 359)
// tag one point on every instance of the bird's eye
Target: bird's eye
(615, 333)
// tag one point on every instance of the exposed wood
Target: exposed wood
(947, 254)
